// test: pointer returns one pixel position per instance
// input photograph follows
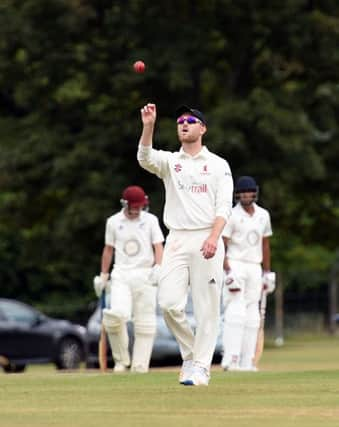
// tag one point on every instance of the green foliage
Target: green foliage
(265, 73)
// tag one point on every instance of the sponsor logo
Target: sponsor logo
(178, 167)
(200, 188)
(193, 188)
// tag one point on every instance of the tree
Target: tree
(265, 74)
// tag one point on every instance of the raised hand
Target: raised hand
(148, 114)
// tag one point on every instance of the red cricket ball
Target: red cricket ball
(139, 66)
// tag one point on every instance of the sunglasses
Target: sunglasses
(191, 120)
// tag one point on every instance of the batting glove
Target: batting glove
(268, 280)
(100, 283)
(154, 275)
(231, 281)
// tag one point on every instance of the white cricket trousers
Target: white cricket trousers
(184, 266)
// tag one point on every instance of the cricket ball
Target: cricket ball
(139, 66)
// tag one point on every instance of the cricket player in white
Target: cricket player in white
(199, 189)
(247, 272)
(135, 239)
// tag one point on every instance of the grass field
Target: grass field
(298, 385)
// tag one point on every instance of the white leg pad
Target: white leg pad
(234, 324)
(250, 336)
(144, 333)
(248, 348)
(116, 329)
(142, 352)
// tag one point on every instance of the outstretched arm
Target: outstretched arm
(152, 160)
(148, 117)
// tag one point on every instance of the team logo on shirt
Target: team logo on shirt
(178, 167)
(252, 237)
(132, 247)
(205, 171)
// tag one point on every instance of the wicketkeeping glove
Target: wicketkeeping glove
(100, 283)
(231, 282)
(268, 280)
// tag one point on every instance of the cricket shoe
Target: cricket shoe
(119, 367)
(186, 371)
(139, 369)
(231, 367)
(248, 369)
(199, 376)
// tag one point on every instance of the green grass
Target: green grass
(298, 385)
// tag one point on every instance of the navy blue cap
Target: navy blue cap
(196, 113)
(245, 183)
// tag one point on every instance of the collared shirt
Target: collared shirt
(133, 240)
(198, 188)
(245, 233)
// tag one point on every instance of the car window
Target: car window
(15, 312)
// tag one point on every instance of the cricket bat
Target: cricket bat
(102, 349)
(261, 333)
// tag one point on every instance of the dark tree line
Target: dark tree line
(266, 73)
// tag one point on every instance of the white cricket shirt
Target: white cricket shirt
(198, 188)
(245, 233)
(133, 240)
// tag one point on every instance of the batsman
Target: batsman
(247, 278)
(134, 239)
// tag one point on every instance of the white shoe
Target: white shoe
(248, 369)
(232, 367)
(119, 367)
(138, 369)
(186, 371)
(199, 376)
